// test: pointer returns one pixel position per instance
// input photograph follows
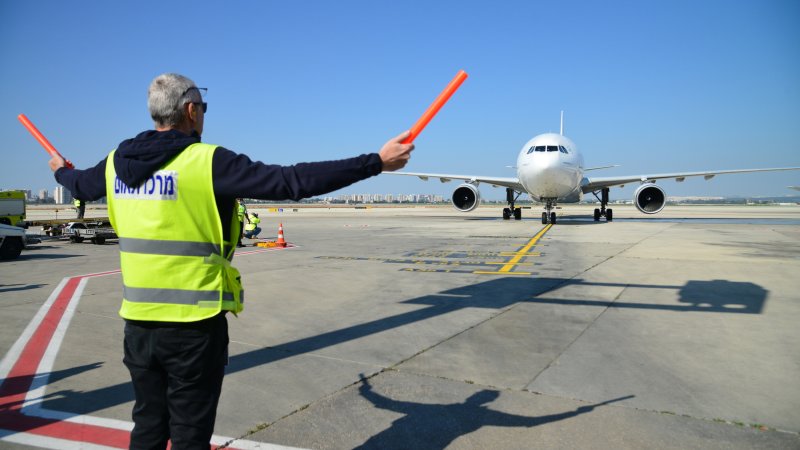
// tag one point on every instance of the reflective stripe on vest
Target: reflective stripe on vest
(180, 248)
(175, 296)
(172, 296)
(175, 264)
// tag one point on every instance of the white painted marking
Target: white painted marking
(33, 399)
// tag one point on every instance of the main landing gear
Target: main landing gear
(550, 204)
(602, 211)
(511, 210)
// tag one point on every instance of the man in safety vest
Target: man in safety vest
(172, 201)
(80, 207)
(252, 230)
(241, 213)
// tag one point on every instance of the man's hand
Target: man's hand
(57, 162)
(395, 155)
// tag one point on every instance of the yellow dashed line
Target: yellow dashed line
(480, 272)
(502, 263)
(420, 264)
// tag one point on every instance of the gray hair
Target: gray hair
(166, 96)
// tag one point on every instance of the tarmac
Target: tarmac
(425, 328)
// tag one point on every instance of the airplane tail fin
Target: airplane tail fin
(562, 122)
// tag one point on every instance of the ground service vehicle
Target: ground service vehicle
(12, 207)
(93, 231)
(12, 241)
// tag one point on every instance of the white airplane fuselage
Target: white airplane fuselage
(549, 166)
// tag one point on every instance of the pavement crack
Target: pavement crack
(610, 304)
(590, 325)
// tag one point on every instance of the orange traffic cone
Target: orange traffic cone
(280, 242)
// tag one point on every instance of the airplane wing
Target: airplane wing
(512, 182)
(591, 184)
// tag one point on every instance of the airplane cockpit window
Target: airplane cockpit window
(540, 148)
(552, 148)
(530, 150)
(563, 149)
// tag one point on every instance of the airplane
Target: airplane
(550, 170)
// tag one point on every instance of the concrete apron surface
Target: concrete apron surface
(432, 329)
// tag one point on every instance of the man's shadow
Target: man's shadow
(435, 426)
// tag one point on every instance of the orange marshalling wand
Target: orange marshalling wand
(436, 106)
(40, 137)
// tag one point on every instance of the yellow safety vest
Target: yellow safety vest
(254, 221)
(175, 264)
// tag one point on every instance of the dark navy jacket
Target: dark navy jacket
(234, 175)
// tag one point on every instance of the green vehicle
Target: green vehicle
(12, 208)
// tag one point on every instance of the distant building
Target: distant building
(62, 196)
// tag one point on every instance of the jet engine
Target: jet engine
(649, 198)
(466, 197)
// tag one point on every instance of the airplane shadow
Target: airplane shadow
(537, 220)
(429, 426)
(721, 296)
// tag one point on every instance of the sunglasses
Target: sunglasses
(203, 104)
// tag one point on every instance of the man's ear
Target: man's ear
(191, 112)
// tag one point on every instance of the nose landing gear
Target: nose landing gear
(550, 204)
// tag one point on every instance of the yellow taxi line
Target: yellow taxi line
(506, 269)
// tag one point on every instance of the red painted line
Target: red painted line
(80, 432)
(16, 385)
(20, 377)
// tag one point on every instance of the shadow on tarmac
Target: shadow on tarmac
(695, 296)
(20, 385)
(567, 220)
(720, 296)
(434, 426)
(27, 256)
(18, 287)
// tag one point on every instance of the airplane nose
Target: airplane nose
(544, 162)
(544, 175)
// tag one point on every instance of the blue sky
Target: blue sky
(652, 86)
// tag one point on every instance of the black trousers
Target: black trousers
(177, 371)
